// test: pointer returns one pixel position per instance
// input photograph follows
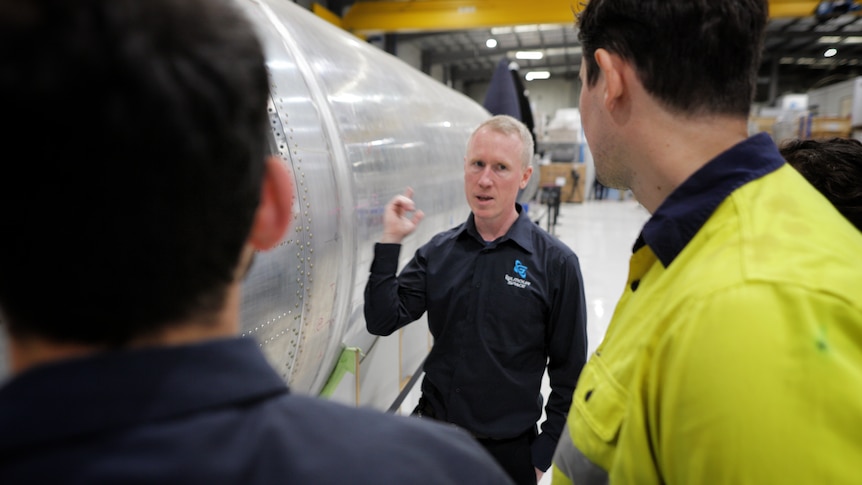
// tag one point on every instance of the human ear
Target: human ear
(274, 212)
(611, 66)
(526, 176)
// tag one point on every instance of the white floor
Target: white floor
(601, 232)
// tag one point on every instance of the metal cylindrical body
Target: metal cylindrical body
(355, 126)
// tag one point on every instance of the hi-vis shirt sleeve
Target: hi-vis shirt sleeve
(587, 444)
(749, 394)
(753, 384)
(745, 391)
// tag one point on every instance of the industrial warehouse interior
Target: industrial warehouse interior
(300, 234)
(808, 44)
(808, 84)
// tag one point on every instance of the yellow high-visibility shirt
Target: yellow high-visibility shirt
(740, 362)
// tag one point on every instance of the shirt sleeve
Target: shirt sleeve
(747, 380)
(391, 301)
(566, 341)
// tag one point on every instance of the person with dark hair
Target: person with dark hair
(127, 230)
(734, 353)
(834, 167)
(505, 303)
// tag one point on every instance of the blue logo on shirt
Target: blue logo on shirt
(520, 268)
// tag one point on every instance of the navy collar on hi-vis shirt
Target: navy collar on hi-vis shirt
(519, 233)
(688, 207)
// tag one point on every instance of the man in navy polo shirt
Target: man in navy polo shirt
(505, 301)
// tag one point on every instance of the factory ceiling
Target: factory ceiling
(454, 35)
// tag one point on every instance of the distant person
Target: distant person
(136, 189)
(834, 167)
(734, 355)
(599, 190)
(504, 298)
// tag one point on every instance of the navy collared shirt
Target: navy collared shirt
(498, 312)
(212, 413)
(688, 207)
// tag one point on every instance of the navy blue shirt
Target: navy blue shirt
(498, 312)
(213, 413)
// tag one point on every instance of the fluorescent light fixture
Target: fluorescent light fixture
(491, 43)
(547, 27)
(525, 28)
(529, 55)
(829, 39)
(537, 75)
(563, 51)
(853, 39)
(830, 52)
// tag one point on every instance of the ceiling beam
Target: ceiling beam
(442, 15)
(375, 17)
(326, 14)
(792, 8)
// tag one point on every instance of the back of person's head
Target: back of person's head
(695, 56)
(511, 126)
(136, 137)
(834, 167)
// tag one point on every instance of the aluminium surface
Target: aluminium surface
(355, 126)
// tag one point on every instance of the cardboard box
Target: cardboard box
(554, 173)
(829, 127)
(758, 124)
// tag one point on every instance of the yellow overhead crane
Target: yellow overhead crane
(403, 16)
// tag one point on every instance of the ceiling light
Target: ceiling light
(529, 55)
(563, 51)
(537, 75)
(853, 39)
(830, 52)
(526, 28)
(546, 27)
(491, 43)
(829, 39)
